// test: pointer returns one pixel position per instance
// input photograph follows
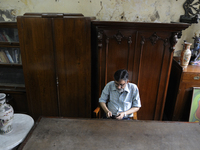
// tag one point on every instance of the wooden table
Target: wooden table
(107, 134)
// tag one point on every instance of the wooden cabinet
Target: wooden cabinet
(56, 54)
(11, 71)
(145, 50)
(180, 89)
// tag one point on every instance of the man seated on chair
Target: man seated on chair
(122, 97)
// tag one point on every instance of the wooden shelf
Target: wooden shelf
(9, 44)
(12, 87)
(8, 24)
(11, 65)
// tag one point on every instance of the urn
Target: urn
(185, 55)
(6, 115)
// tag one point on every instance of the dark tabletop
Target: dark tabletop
(102, 134)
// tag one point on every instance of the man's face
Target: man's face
(121, 84)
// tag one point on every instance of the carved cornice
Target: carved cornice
(129, 40)
(173, 40)
(154, 38)
(165, 42)
(99, 38)
(143, 40)
(107, 40)
(119, 37)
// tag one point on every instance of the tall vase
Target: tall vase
(6, 115)
(185, 55)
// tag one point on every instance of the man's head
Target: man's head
(121, 78)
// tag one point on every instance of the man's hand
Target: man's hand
(120, 116)
(106, 110)
(109, 114)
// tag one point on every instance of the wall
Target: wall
(109, 10)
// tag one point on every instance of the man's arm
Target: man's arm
(130, 111)
(104, 98)
(105, 108)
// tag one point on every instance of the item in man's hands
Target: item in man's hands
(114, 117)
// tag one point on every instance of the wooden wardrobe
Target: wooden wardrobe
(145, 50)
(56, 57)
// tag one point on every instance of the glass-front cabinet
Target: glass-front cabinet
(11, 70)
(11, 73)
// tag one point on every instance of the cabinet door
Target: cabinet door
(116, 51)
(153, 50)
(35, 35)
(73, 65)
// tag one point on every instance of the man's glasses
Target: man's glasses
(121, 85)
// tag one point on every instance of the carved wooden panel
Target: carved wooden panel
(152, 73)
(113, 47)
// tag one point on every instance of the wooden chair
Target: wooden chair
(97, 113)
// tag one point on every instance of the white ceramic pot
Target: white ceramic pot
(185, 55)
(6, 115)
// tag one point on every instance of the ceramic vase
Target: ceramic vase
(185, 55)
(6, 115)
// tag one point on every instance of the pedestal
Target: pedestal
(22, 124)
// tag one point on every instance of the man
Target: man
(122, 97)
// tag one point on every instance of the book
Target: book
(9, 56)
(1, 37)
(16, 52)
(13, 55)
(3, 57)
(15, 37)
(20, 57)
(6, 36)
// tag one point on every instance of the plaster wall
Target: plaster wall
(164, 11)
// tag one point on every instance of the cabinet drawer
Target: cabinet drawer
(191, 76)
